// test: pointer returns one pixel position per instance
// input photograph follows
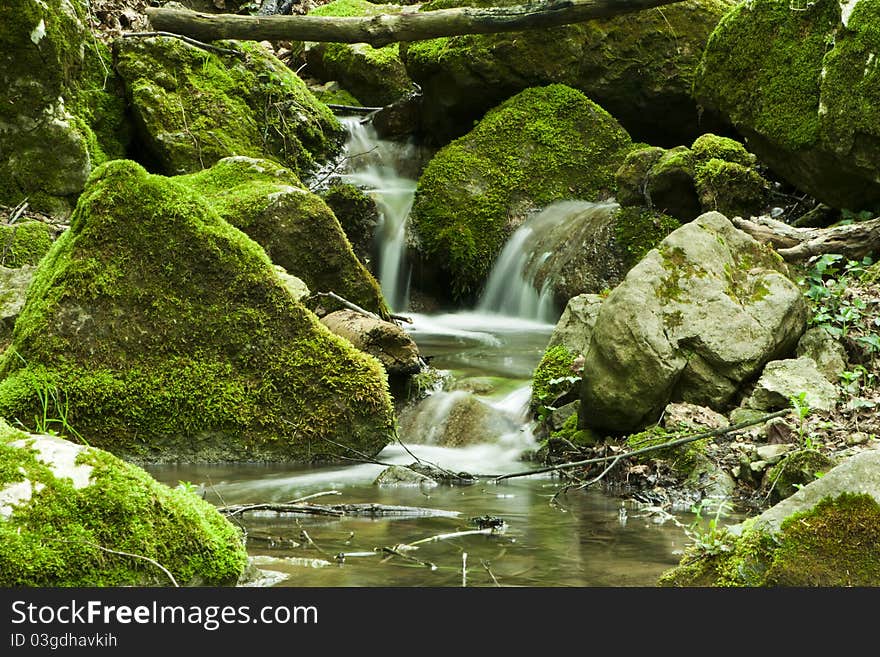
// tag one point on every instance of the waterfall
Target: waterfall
(374, 165)
(511, 288)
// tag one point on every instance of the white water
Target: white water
(373, 166)
(511, 288)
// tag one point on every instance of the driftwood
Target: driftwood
(369, 510)
(853, 241)
(409, 25)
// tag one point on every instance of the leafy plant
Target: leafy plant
(802, 410)
(712, 539)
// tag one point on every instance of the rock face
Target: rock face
(376, 76)
(638, 66)
(829, 354)
(825, 534)
(193, 108)
(48, 97)
(389, 343)
(14, 283)
(801, 87)
(168, 335)
(61, 502)
(543, 145)
(295, 227)
(693, 320)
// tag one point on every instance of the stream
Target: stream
(488, 354)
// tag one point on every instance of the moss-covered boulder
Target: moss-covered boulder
(555, 376)
(638, 66)
(193, 107)
(801, 85)
(357, 214)
(25, 243)
(825, 534)
(376, 76)
(697, 317)
(543, 145)
(714, 173)
(72, 515)
(49, 87)
(295, 227)
(164, 333)
(794, 471)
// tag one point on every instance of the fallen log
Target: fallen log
(853, 241)
(369, 510)
(409, 25)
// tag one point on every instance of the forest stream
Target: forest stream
(584, 538)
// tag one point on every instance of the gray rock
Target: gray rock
(771, 454)
(13, 286)
(393, 346)
(828, 353)
(698, 316)
(561, 414)
(398, 475)
(575, 326)
(783, 379)
(453, 419)
(297, 288)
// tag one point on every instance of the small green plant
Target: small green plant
(802, 410)
(712, 540)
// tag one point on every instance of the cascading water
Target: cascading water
(372, 164)
(511, 287)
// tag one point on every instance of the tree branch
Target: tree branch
(409, 25)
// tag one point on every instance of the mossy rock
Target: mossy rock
(376, 76)
(68, 512)
(193, 107)
(164, 334)
(295, 227)
(637, 230)
(45, 147)
(357, 214)
(794, 471)
(543, 145)
(730, 188)
(639, 67)
(825, 534)
(801, 86)
(553, 376)
(25, 243)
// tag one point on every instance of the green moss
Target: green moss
(357, 214)
(833, 544)
(53, 540)
(24, 243)
(638, 230)
(97, 97)
(295, 227)
(337, 96)
(730, 188)
(194, 107)
(553, 376)
(777, 51)
(683, 459)
(632, 174)
(578, 437)
(796, 469)
(543, 145)
(166, 332)
(707, 147)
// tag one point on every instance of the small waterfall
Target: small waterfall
(373, 165)
(511, 287)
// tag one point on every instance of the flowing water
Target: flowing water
(490, 353)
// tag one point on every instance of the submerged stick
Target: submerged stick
(672, 443)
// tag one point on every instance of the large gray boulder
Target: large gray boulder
(698, 316)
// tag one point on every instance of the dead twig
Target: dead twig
(138, 556)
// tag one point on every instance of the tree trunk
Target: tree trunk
(852, 241)
(409, 25)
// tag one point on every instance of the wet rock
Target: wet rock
(454, 419)
(783, 379)
(797, 469)
(798, 90)
(561, 414)
(358, 216)
(575, 325)
(679, 416)
(398, 475)
(55, 489)
(393, 346)
(828, 354)
(659, 336)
